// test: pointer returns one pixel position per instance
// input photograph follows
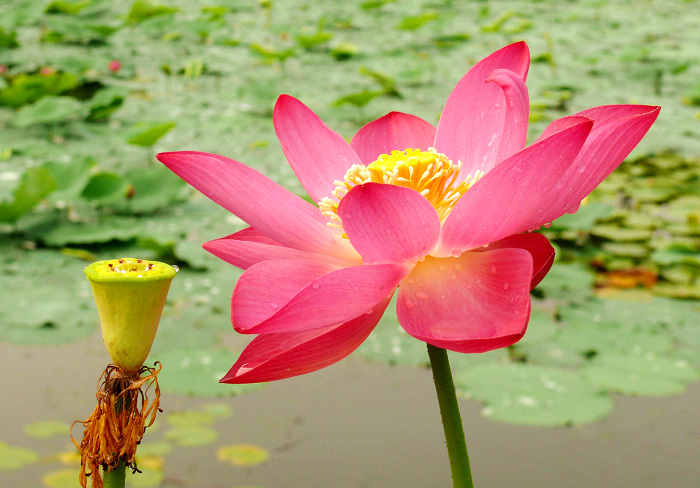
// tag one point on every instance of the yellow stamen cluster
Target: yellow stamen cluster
(430, 173)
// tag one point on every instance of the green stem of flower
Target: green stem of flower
(115, 478)
(451, 419)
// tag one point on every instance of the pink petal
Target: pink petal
(259, 201)
(318, 155)
(248, 247)
(473, 121)
(295, 296)
(537, 245)
(513, 197)
(561, 124)
(474, 303)
(277, 356)
(389, 224)
(617, 129)
(394, 131)
(517, 104)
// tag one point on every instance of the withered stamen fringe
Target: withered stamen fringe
(117, 425)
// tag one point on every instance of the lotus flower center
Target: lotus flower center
(430, 173)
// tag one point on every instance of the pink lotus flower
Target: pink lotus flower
(443, 214)
(114, 66)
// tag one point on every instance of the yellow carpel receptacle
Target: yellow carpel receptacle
(130, 295)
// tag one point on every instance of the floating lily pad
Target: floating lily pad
(585, 218)
(50, 110)
(193, 435)
(151, 473)
(154, 448)
(198, 371)
(550, 353)
(242, 454)
(567, 281)
(12, 457)
(533, 395)
(147, 134)
(604, 326)
(641, 374)
(63, 478)
(45, 298)
(389, 343)
(621, 234)
(540, 327)
(35, 185)
(189, 418)
(45, 429)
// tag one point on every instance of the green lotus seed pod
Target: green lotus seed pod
(130, 295)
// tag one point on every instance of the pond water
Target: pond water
(356, 424)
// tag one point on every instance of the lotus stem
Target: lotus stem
(115, 478)
(451, 418)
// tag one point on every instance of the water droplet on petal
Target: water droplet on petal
(315, 285)
(548, 224)
(273, 305)
(455, 253)
(458, 266)
(506, 286)
(423, 295)
(408, 303)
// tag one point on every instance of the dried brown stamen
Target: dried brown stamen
(117, 425)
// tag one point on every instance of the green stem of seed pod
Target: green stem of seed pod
(115, 478)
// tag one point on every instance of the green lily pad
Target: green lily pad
(154, 448)
(63, 478)
(604, 326)
(189, 418)
(145, 9)
(12, 457)
(104, 187)
(198, 371)
(242, 454)
(219, 410)
(540, 327)
(533, 395)
(567, 281)
(150, 475)
(151, 188)
(44, 298)
(70, 178)
(641, 374)
(628, 250)
(49, 110)
(45, 429)
(620, 234)
(34, 186)
(105, 103)
(146, 134)
(389, 343)
(28, 88)
(550, 353)
(191, 436)
(585, 218)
